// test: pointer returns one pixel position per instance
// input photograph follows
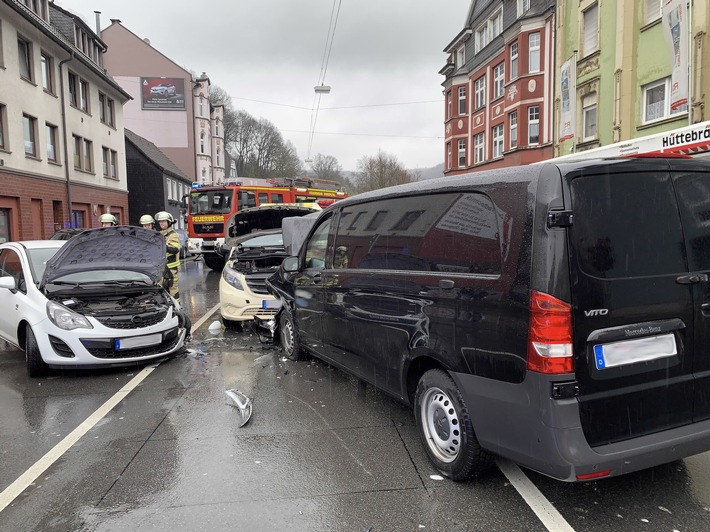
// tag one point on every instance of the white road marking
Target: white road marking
(10, 493)
(545, 511)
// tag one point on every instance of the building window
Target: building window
(656, 101)
(523, 7)
(460, 56)
(218, 156)
(589, 117)
(489, 30)
(83, 157)
(29, 129)
(114, 164)
(590, 30)
(47, 73)
(462, 100)
(513, 129)
(448, 155)
(24, 51)
(3, 128)
(480, 88)
(479, 148)
(462, 153)
(73, 89)
(498, 80)
(533, 125)
(652, 10)
(202, 142)
(449, 104)
(498, 141)
(84, 95)
(514, 60)
(51, 133)
(106, 110)
(106, 159)
(534, 52)
(216, 129)
(2, 62)
(202, 108)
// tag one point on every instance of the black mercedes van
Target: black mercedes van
(555, 314)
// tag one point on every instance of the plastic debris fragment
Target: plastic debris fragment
(215, 327)
(243, 404)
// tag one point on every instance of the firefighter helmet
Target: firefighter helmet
(109, 218)
(164, 216)
(146, 219)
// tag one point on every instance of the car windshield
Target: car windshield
(262, 241)
(211, 202)
(38, 260)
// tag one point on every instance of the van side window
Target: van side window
(444, 232)
(694, 202)
(316, 249)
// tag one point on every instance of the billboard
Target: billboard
(163, 93)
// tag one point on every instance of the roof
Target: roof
(152, 152)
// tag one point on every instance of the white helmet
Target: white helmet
(107, 217)
(164, 216)
(146, 219)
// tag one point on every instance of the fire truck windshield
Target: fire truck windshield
(211, 202)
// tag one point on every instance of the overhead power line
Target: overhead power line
(364, 134)
(339, 107)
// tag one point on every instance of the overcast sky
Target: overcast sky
(384, 60)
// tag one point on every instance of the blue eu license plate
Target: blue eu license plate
(270, 303)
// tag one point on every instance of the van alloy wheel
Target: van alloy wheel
(446, 429)
(288, 335)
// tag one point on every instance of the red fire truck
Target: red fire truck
(210, 206)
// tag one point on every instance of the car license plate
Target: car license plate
(633, 351)
(138, 341)
(271, 303)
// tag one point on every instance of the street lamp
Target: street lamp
(322, 89)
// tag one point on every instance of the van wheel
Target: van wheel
(446, 429)
(36, 367)
(288, 335)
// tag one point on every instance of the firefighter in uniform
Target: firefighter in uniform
(147, 222)
(165, 222)
(107, 219)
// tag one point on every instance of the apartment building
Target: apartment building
(62, 153)
(499, 85)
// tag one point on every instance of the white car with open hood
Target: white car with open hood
(92, 301)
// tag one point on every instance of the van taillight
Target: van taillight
(550, 335)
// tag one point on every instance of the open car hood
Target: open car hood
(119, 247)
(260, 218)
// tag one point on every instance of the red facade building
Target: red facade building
(499, 86)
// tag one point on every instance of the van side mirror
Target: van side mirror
(290, 264)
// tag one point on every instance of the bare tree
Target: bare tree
(287, 163)
(219, 96)
(380, 171)
(241, 148)
(326, 168)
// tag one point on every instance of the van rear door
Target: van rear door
(692, 184)
(632, 299)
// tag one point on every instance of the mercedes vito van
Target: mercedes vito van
(555, 314)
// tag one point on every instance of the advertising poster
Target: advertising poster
(675, 28)
(163, 93)
(567, 107)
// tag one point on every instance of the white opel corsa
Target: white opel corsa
(91, 301)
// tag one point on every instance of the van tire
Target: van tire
(288, 335)
(36, 367)
(445, 428)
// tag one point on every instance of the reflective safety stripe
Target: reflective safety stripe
(173, 265)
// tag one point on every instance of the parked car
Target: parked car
(163, 89)
(182, 234)
(553, 314)
(256, 249)
(93, 300)
(66, 234)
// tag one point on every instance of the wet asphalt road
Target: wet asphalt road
(321, 452)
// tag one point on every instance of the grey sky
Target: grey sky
(383, 52)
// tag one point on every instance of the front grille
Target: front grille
(266, 312)
(134, 321)
(257, 283)
(209, 228)
(62, 349)
(104, 348)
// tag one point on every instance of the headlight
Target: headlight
(66, 319)
(232, 277)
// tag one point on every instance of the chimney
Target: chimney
(115, 21)
(98, 22)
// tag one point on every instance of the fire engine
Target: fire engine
(209, 207)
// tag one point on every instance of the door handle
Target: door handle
(446, 284)
(692, 278)
(316, 278)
